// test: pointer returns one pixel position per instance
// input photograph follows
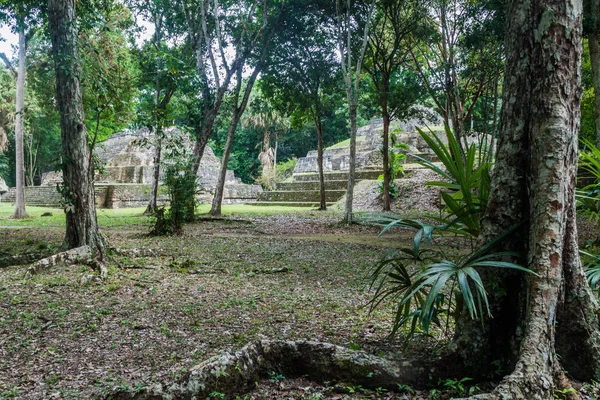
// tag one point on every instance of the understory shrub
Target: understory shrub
(285, 169)
(396, 169)
(588, 204)
(432, 285)
(181, 185)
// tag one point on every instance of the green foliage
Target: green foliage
(432, 286)
(467, 184)
(588, 203)
(588, 198)
(285, 169)
(396, 168)
(591, 265)
(4, 167)
(458, 387)
(181, 184)
(426, 284)
(108, 71)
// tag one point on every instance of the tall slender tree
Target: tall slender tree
(388, 49)
(349, 21)
(24, 16)
(303, 69)
(78, 173)
(258, 25)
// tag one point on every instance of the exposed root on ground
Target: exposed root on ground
(532, 385)
(237, 373)
(78, 255)
(21, 259)
(138, 252)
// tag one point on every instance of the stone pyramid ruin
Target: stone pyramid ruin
(303, 190)
(127, 167)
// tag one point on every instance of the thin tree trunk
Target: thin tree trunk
(595, 61)
(153, 203)
(158, 119)
(78, 188)
(220, 189)
(20, 211)
(322, 193)
(275, 159)
(352, 162)
(492, 149)
(386, 158)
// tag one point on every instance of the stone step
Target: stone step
(337, 176)
(340, 151)
(301, 196)
(43, 196)
(288, 204)
(312, 185)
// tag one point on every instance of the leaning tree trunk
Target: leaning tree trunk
(78, 188)
(220, 189)
(19, 127)
(238, 111)
(534, 181)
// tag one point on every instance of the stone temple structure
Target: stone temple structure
(125, 175)
(303, 190)
(3, 186)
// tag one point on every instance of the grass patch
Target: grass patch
(346, 143)
(129, 216)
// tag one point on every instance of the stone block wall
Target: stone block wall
(43, 196)
(129, 195)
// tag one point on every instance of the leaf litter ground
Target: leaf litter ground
(219, 286)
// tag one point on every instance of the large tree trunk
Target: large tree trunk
(595, 61)
(78, 188)
(19, 127)
(534, 181)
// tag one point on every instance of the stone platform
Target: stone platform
(304, 189)
(125, 176)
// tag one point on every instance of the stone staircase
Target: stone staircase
(304, 190)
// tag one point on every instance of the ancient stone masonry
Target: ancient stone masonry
(304, 188)
(3, 186)
(126, 169)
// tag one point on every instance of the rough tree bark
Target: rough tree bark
(534, 181)
(236, 373)
(20, 211)
(78, 174)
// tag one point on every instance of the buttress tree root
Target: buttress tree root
(78, 255)
(237, 373)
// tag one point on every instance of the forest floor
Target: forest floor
(265, 274)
